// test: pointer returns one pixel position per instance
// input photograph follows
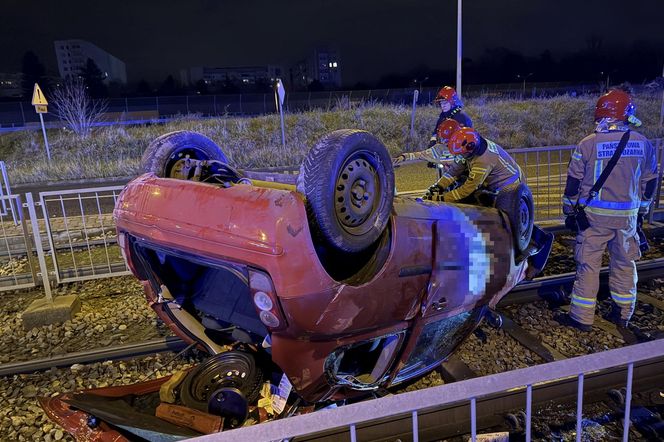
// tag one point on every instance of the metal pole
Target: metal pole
(579, 408)
(661, 110)
(529, 406)
(416, 95)
(353, 434)
(458, 67)
(659, 150)
(416, 431)
(48, 150)
(628, 402)
(38, 246)
(20, 104)
(473, 419)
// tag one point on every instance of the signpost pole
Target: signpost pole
(41, 107)
(48, 150)
(416, 95)
(280, 94)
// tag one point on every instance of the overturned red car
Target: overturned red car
(332, 280)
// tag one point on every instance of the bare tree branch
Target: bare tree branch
(74, 106)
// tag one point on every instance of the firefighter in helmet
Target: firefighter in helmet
(489, 167)
(613, 213)
(450, 108)
(439, 152)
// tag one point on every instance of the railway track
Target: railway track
(493, 412)
(548, 288)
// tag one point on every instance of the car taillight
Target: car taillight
(265, 300)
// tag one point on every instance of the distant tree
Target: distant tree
(73, 105)
(201, 87)
(94, 79)
(33, 72)
(169, 87)
(143, 89)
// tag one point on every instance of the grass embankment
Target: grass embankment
(256, 142)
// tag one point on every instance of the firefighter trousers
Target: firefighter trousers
(623, 245)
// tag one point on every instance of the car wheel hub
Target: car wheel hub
(355, 193)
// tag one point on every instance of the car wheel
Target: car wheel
(232, 369)
(516, 201)
(348, 181)
(166, 155)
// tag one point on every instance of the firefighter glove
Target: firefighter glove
(396, 162)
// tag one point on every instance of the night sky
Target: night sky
(375, 37)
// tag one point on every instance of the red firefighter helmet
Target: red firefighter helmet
(448, 94)
(446, 128)
(463, 141)
(616, 105)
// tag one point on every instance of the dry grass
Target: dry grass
(256, 142)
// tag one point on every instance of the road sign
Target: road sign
(38, 97)
(40, 103)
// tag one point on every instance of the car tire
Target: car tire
(233, 369)
(348, 181)
(516, 201)
(166, 154)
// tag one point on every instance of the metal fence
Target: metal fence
(545, 169)
(81, 233)
(143, 109)
(17, 266)
(408, 409)
(73, 237)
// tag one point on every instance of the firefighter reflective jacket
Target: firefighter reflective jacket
(490, 167)
(623, 191)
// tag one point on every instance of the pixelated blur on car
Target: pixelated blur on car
(330, 278)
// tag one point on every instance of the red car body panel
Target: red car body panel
(443, 260)
(75, 422)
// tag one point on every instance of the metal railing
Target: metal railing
(545, 169)
(163, 108)
(81, 233)
(75, 238)
(17, 267)
(350, 419)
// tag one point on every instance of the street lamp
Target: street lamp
(458, 66)
(523, 77)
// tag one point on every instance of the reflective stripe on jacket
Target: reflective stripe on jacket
(493, 169)
(622, 192)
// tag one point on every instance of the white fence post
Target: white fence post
(38, 246)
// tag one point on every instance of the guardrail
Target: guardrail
(344, 423)
(81, 233)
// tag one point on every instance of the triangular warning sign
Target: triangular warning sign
(38, 97)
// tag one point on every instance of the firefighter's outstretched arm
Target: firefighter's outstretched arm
(431, 155)
(476, 177)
